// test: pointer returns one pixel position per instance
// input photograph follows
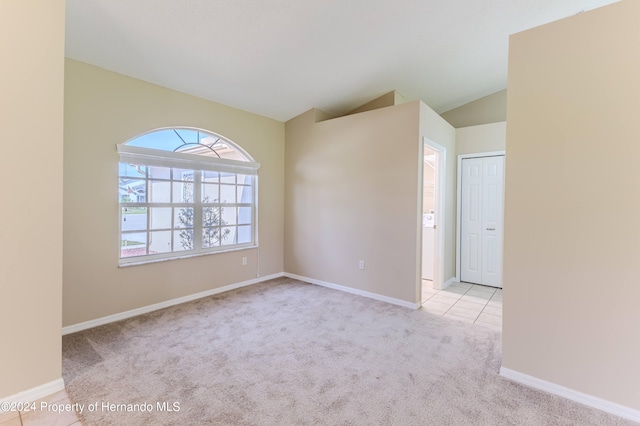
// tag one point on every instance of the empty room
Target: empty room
(398, 213)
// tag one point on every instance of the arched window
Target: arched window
(184, 192)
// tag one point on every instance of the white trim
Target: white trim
(449, 282)
(346, 289)
(440, 203)
(459, 195)
(157, 157)
(36, 393)
(150, 308)
(582, 398)
(143, 260)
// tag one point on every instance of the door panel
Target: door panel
(473, 242)
(471, 220)
(481, 222)
(492, 214)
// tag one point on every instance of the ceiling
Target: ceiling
(279, 58)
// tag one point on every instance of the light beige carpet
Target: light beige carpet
(289, 353)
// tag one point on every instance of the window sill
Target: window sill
(167, 259)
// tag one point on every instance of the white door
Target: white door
(482, 183)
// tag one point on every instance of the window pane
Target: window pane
(132, 190)
(210, 193)
(210, 237)
(134, 219)
(211, 216)
(159, 242)
(244, 234)
(183, 175)
(160, 218)
(229, 215)
(165, 140)
(159, 192)
(228, 194)
(228, 178)
(183, 240)
(183, 192)
(159, 172)
(210, 177)
(133, 244)
(244, 215)
(132, 170)
(183, 217)
(245, 194)
(188, 135)
(228, 235)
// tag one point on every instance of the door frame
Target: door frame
(439, 187)
(459, 196)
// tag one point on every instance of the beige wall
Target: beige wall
(489, 109)
(571, 312)
(481, 138)
(352, 193)
(388, 99)
(103, 109)
(31, 109)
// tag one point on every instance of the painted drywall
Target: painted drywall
(433, 127)
(103, 109)
(388, 99)
(31, 110)
(481, 138)
(489, 109)
(571, 265)
(352, 193)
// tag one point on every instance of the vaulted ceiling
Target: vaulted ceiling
(279, 58)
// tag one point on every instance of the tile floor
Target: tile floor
(472, 303)
(49, 411)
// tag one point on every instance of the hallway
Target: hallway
(472, 303)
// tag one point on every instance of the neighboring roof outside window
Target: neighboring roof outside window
(190, 141)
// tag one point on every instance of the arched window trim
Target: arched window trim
(157, 157)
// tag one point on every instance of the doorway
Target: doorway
(432, 215)
(480, 218)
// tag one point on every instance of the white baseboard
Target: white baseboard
(450, 281)
(447, 283)
(589, 400)
(375, 296)
(36, 393)
(150, 308)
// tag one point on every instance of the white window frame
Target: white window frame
(159, 158)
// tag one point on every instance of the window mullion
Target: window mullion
(147, 185)
(173, 211)
(197, 210)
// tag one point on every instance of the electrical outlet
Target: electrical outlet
(361, 264)
(244, 261)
